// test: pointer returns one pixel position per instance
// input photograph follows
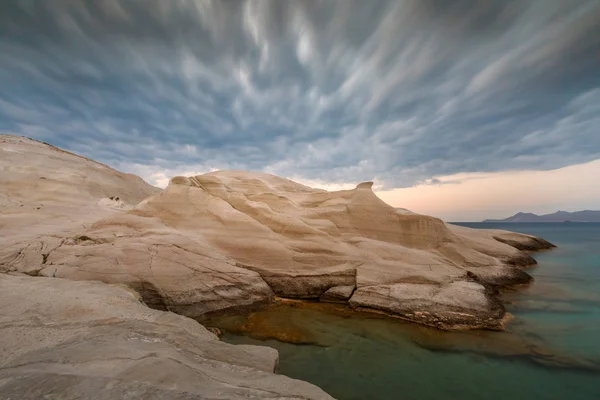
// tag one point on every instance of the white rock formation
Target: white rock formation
(88, 340)
(68, 339)
(231, 239)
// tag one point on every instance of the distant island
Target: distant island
(559, 216)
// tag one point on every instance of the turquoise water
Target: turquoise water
(563, 304)
(552, 349)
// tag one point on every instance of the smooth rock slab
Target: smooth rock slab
(73, 340)
(453, 306)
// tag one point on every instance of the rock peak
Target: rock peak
(365, 185)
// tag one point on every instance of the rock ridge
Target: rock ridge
(230, 240)
(225, 241)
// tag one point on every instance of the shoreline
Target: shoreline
(279, 323)
(417, 317)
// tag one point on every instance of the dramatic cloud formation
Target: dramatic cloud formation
(333, 91)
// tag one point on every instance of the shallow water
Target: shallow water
(551, 352)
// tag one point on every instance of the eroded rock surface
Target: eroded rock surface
(303, 242)
(74, 224)
(89, 340)
(457, 305)
(233, 239)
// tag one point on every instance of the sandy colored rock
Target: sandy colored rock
(37, 171)
(304, 241)
(74, 224)
(231, 239)
(96, 341)
(457, 305)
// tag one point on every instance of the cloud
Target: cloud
(342, 91)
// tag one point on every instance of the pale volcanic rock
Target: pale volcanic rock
(33, 171)
(457, 305)
(46, 190)
(170, 271)
(232, 239)
(303, 241)
(73, 224)
(89, 340)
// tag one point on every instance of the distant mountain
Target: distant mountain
(559, 216)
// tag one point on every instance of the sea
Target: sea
(551, 349)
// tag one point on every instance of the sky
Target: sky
(461, 109)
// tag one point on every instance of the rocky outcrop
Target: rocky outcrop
(532, 243)
(455, 306)
(88, 340)
(170, 271)
(231, 240)
(224, 241)
(74, 224)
